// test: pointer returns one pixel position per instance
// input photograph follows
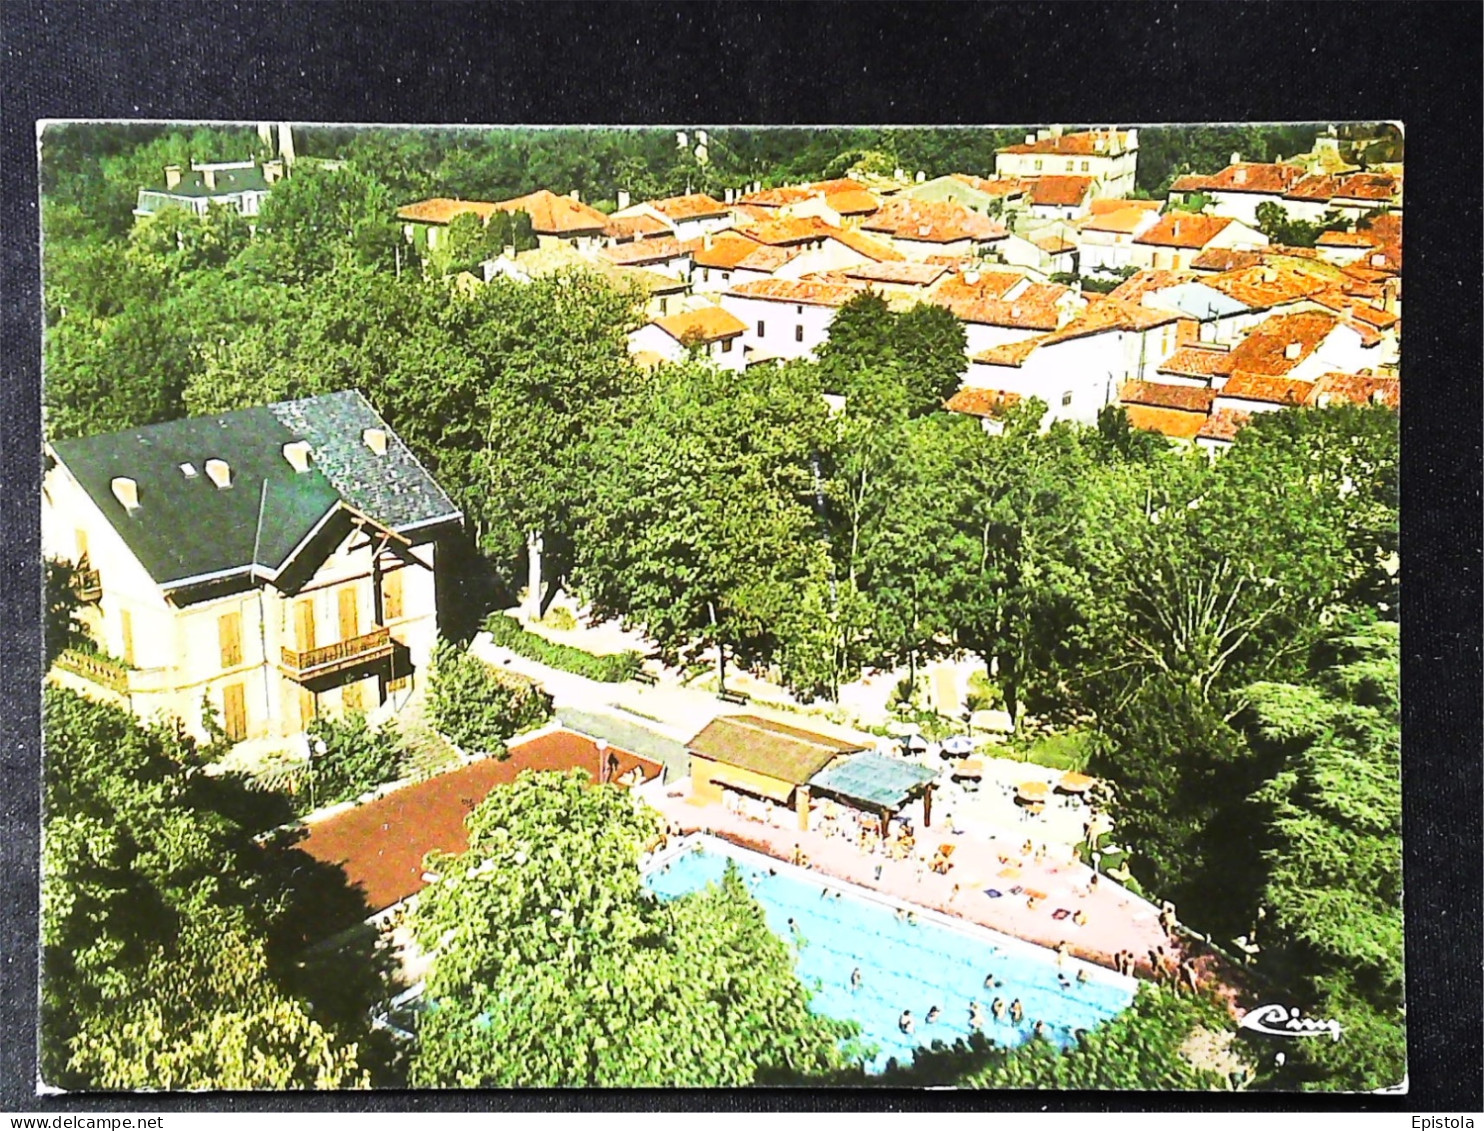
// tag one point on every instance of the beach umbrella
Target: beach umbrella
(917, 743)
(1031, 791)
(969, 768)
(1074, 783)
(958, 745)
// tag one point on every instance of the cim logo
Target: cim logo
(1282, 1021)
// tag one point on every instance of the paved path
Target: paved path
(1115, 918)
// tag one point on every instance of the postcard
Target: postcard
(722, 606)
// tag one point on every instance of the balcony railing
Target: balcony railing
(374, 645)
(102, 670)
(87, 586)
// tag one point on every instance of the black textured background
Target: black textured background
(802, 63)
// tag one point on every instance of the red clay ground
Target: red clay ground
(381, 845)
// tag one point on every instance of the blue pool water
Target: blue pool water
(905, 965)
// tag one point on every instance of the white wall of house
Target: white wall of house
(696, 228)
(781, 329)
(1343, 351)
(831, 255)
(1115, 174)
(980, 337)
(1241, 205)
(919, 250)
(726, 354)
(1076, 379)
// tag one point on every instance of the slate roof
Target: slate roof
(185, 527)
(775, 750)
(873, 779)
(228, 181)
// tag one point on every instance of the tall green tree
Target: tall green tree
(1333, 819)
(555, 968)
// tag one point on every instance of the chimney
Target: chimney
(1187, 330)
(921, 176)
(1378, 396)
(729, 196)
(899, 174)
(375, 439)
(1378, 260)
(1130, 139)
(1239, 177)
(971, 278)
(575, 195)
(297, 454)
(208, 175)
(1056, 131)
(1015, 311)
(1099, 143)
(924, 229)
(623, 199)
(1292, 350)
(1042, 134)
(508, 252)
(1322, 400)
(707, 242)
(219, 473)
(1030, 139)
(1175, 229)
(126, 491)
(1268, 274)
(172, 176)
(1236, 159)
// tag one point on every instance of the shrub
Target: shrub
(477, 707)
(356, 758)
(560, 618)
(615, 668)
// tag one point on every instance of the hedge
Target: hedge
(509, 633)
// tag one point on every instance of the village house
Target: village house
(1178, 412)
(709, 332)
(989, 197)
(1351, 195)
(554, 219)
(785, 318)
(728, 258)
(991, 406)
(1109, 156)
(1076, 370)
(1104, 239)
(268, 565)
(1240, 188)
(1229, 304)
(841, 202)
(664, 254)
(1178, 238)
(624, 227)
(239, 185)
(1059, 197)
(1002, 307)
(660, 293)
(919, 228)
(692, 215)
(1302, 346)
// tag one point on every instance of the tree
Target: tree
(159, 921)
(1333, 817)
(478, 707)
(555, 968)
(61, 628)
(889, 364)
(703, 521)
(319, 218)
(356, 758)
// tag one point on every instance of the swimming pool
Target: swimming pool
(935, 961)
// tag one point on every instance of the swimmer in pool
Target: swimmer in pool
(1082, 977)
(933, 1014)
(912, 918)
(1041, 1029)
(997, 1007)
(1017, 1011)
(905, 1022)
(855, 978)
(976, 1016)
(989, 981)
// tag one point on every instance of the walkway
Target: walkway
(1115, 918)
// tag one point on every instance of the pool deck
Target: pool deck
(1116, 918)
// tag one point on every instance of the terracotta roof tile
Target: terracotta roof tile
(1264, 352)
(1268, 390)
(933, 222)
(1054, 245)
(1347, 239)
(1120, 221)
(852, 202)
(1175, 423)
(692, 206)
(982, 402)
(1196, 361)
(553, 215)
(443, 210)
(1037, 307)
(901, 273)
(643, 251)
(1250, 176)
(1080, 144)
(726, 251)
(995, 186)
(1267, 285)
(1359, 388)
(797, 290)
(1108, 205)
(1059, 192)
(709, 324)
(1187, 398)
(791, 230)
(1184, 229)
(1352, 311)
(1380, 188)
(1137, 285)
(768, 258)
(1011, 354)
(863, 244)
(794, 194)
(635, 227)
(1225, 259)
(1223, 425)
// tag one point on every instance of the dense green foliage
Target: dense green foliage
(162, 924)
(556, 968)
(507, 632)
(478, 707)
(1334, 863)
(1144, 1048)
(1274, 222)
(356, 760)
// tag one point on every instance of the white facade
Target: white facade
(725, 354)
(1241, 205)
(1165, 258)
(1113, 165)
(780, 329)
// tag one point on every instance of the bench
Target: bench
(737, 697)
(649, 679)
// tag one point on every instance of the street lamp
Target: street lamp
(316, 746)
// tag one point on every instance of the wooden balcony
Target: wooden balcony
(87, 586)
(368, 648)
(102, 670)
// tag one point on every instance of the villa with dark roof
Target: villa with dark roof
(266, 565)
(239, 185)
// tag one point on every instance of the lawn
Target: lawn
(1067, 750)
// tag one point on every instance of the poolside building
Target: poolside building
(749, 762)
(877, 784)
